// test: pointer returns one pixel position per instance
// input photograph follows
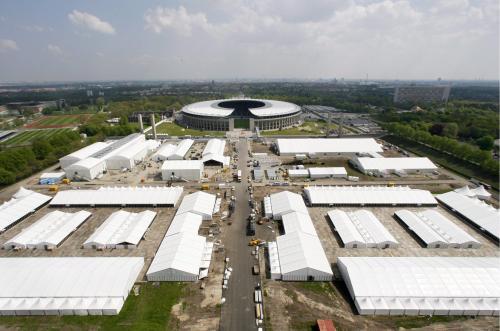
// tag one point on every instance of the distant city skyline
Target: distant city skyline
(264, 39)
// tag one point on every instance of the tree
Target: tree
(41, 148)
(450, 130)
(486, 143)
(124, 120)
(100, 103)
(6, 177)
(437, 129)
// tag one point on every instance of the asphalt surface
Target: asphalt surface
(238, 312)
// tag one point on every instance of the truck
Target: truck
(239, 175)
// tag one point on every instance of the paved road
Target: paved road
(238, 310)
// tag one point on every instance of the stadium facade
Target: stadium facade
(250, 114)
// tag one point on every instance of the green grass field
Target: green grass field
(59, 121)
(174, 129)
(26, 137)
(307, 128)
(150, 310)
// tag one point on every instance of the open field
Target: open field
(307, 128)
(150, 310)
(27, 137)
(174, 129)
(59, 121)
(448, 161)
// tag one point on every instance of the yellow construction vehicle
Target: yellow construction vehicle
(66, 181)
(205, 187)
(53, 188)
(254, 242)
(391, 184)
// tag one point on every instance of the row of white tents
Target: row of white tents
(169, 151)
(298, 252)
(184, 255)
(92, 161)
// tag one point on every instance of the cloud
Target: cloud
(34, 28)
(91, 22)
(180, 20)
(54, 49)
(7, 45)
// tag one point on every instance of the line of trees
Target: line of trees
(462, 151)
(19, 163)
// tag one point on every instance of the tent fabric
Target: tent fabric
(82, 153)
(182, 170)
(268, 210)
(120, 196)
(121, 229)
(86, 169)
(423, 285)
(214, 151)
(382, 164)
(481, 193)
(285, 202)
(23, 203)
(295, 221)
(321, 146)
(178, 258)
(49, 231)
(326, 172)
(435, 230)
(200, 203)
(474, 210)
(274, 261)
(368, 195)
(66, 285)
(186, 222)
(361, 229)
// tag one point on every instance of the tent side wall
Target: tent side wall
(305, 275)
(171, 275)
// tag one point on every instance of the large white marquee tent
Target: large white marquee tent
(122, 229)
(120, 196)
(82, 154)
(182, 170)
(200, 203)
(435, 230)
(86, 169)
(23, 203)
(285, 202)
(66, 285)
(368, 195)
(380, 165)
(49, 231)
(214, 152)
(423, 285)
(361, 229)
(315, 147)
(473, 210)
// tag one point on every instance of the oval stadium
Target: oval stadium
(248, 114)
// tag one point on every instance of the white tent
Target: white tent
(327, 172)
(214, 152)
(302, 258)
(181, 149)
(200, 203)
(285, 202)
(66, 285)
(361, 229)
(475, 211)
(393, 164)
(86, 169)
(182, 170)
(127, 158)
(23, 203)
(368, 195)
(121, 229)
(481, 193)
(165, 151)
(423, 285)
(81, 154)
(186, 222)
(268, 210)
(294, 221)
(435, 230)
(120, 196)
(465, 191)
(49, 231)
(327, 146)
(274, 260)
(178, 258)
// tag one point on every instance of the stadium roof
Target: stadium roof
(395, 163)
(476, 211)
(120, 196)
(22, 203)
(368, 195)
(262, 108)
(423, 285)
(121, 228)
(286, 202)
(433, 228)
(66, 285)
(49, 231)
(327, 145)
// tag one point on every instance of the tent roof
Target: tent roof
(399, 163)
(368, 195)
(285, 202)
(186, 222)
(118, 196)
(122, 227)
(295, 221)
(201, 203)
(182, 165)
(476, 211)
(214, 151)
(21, 204)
